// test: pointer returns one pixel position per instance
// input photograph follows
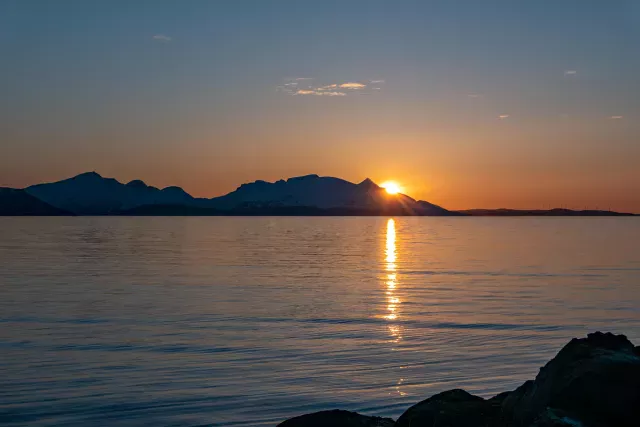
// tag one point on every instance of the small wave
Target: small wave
(494, 273)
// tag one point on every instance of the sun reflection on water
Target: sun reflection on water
(391, 282)
(393, 302)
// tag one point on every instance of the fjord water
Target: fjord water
(248, 321)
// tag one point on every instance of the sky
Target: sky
(467, 104)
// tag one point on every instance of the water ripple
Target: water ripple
(248, 321)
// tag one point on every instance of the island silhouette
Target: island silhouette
(309, 195)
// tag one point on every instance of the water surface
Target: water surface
(248, 321)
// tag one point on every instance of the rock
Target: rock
(500, 397)
(594, 381)
(554, 418)
(337, 418)
(453, 408)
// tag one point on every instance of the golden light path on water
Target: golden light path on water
(390, 252)
(391, 283)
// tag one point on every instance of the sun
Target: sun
(391, 187)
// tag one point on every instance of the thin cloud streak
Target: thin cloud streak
(162, 38)
(298, 86)
(352, 85)
(315, 92)
(328, 87)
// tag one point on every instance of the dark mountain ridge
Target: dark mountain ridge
(15, 202)
(326, 195)
(91, 194)
(542, 212)
(308, 195)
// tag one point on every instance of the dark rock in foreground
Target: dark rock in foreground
(451, 408)
(337, 418)
(592, 382)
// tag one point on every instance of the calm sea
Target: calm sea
(248, 321)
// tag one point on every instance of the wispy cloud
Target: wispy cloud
(327, 87)
(318, 93)
(616, 117)
(474, 95)
(503, 116)
(570, 73)
(352, 85)
(162, 38)
(309, 86)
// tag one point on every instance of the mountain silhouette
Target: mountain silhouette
(19, 203)
(91, 194)
(542, 212)
(327, 193)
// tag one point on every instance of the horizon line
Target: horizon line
(547, 208)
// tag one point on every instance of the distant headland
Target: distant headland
(310, 195)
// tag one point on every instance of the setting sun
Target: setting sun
(391, 187)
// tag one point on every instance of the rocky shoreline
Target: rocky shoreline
(592, 382)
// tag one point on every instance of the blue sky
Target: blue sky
(476, 103)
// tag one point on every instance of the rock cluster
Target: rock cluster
(592, 382)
